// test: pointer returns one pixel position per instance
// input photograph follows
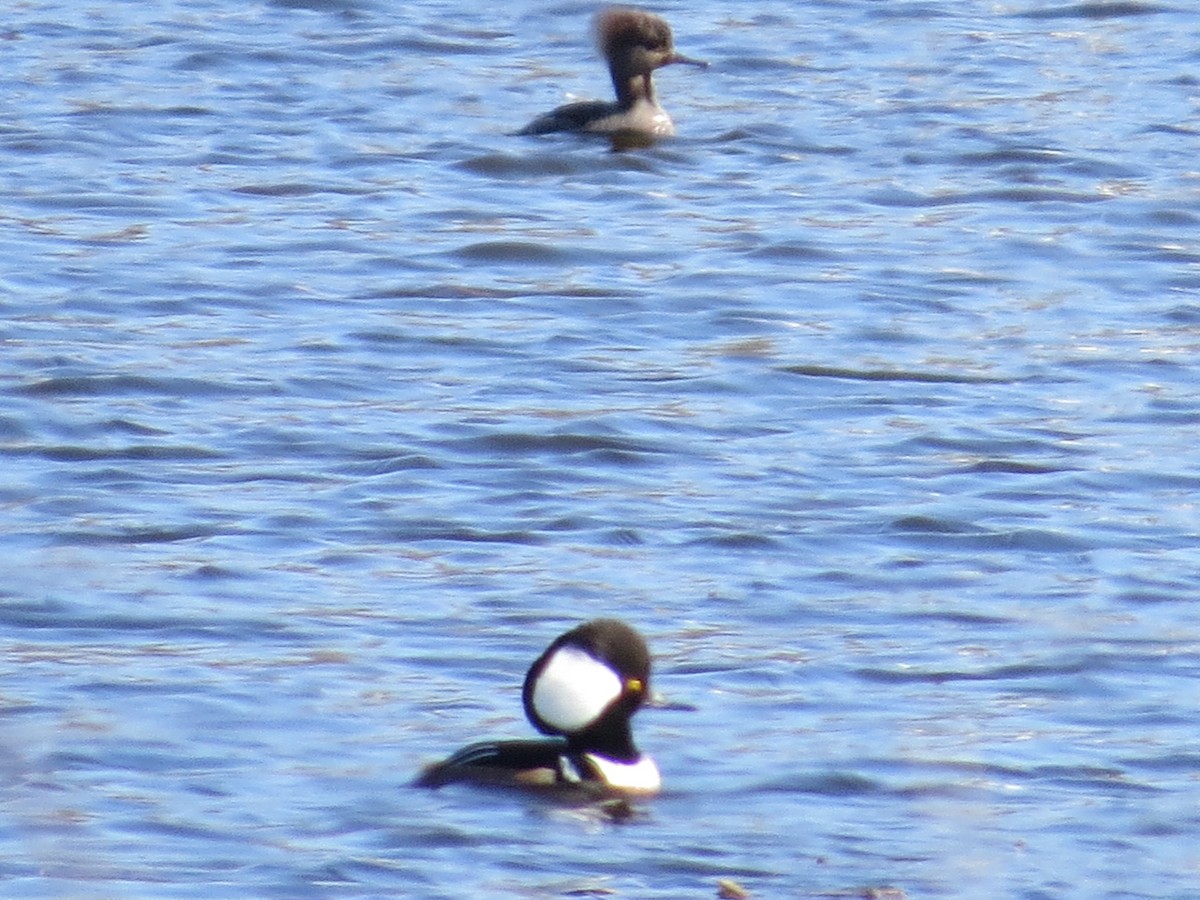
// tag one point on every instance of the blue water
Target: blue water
(871, 399)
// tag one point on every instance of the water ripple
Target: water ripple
(327, 403)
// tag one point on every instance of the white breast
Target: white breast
(639, 777)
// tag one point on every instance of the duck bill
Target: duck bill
(687, 61)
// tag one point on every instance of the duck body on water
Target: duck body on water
(582, 692)
(634, 43)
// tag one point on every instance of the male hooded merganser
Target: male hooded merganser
(583, 690)
(635, 43)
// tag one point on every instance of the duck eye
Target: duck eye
(634, 685)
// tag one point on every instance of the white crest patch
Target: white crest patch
(573, 689)
(639, 777)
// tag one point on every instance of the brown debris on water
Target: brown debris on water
(728, 889)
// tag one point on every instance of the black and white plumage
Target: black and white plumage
(581, 692)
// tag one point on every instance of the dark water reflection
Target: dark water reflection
(327, 403)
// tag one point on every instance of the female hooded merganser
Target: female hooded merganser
(635, 43)
(583, 690)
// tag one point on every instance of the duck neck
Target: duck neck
(632, 88)
(613, 739)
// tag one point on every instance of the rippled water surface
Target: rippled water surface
(871, 399)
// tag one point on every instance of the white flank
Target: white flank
(573, 689)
